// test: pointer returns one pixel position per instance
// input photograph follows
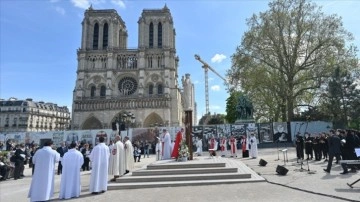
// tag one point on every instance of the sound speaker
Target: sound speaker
(281, 170)
(262, 162)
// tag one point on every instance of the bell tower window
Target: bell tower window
(151, 35)
(102, 91)
(96, 36)
(160, 89)
(151, 89)
(92, 93)
(105, 36)
(159, 42)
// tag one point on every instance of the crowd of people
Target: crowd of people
(116, 159)
(340, 144)
(230, 145)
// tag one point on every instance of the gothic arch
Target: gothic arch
(92, 123)
(152, 120)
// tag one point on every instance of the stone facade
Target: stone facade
(113, 80)
(27, 115)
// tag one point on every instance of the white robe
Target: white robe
(129, 156)
(199, 147)
(158, 150)
(253, 150)
(42, 183)
(117, 159)
(70, 185)
(166, 152)
(99, 158)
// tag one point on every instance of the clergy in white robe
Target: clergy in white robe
(117, 159)
(42, 183)
(70, 185)
(129, 155)
(199, 146)
(158, 149)
(166, 145)
(99, 158)
(253, 147)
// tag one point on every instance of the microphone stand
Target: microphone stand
(277, 148)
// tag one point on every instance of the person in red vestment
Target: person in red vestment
(233, 150)
(175, 152)
(223, 146)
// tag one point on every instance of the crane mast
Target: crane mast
(206, 68)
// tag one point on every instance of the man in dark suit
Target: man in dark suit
(61, 150)
(334, 149)
(20, 157)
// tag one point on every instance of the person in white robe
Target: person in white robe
(233, 146)
(129, 155)
(223, 146)
(253, 146)
(70, 185)
(199, 146)
(42, 183)
(166, 145)
(99, 158)
(158, 149)
(117, 159)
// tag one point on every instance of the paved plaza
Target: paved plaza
(296, 185)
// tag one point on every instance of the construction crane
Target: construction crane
(206, 68)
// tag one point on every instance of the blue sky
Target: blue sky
(39, 38)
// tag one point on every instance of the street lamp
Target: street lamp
(126, 119)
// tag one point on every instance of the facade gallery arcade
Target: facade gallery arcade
(113, 80)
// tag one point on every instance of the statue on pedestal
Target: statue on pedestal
(244, 108)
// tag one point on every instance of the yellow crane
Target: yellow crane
(206, 68)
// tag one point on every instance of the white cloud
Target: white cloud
(119, 3)
(196, 82)
(218, 58)
(214, 107)
(215, 88)
(60, 10)
(85, 4)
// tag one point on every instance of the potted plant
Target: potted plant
(183, 151)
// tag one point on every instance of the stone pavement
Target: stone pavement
(294, 186)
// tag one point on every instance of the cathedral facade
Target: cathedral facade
(114, 82)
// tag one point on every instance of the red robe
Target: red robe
(212, 143)
(223, 144)
(233, 145)
(175, 152)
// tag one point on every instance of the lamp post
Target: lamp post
(125, 119)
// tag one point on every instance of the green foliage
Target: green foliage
(287, 54)
(231, 103)
(212, 119)
(342, 99)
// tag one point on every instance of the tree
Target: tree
(212, 119)
(231, 103)
(287, 54)
(342, 99)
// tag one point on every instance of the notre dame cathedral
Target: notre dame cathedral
(113, 80)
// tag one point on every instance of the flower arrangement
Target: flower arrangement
(183, 150)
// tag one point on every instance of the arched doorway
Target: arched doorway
(92, 123)
(153, 120)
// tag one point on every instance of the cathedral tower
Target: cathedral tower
(113, 80)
